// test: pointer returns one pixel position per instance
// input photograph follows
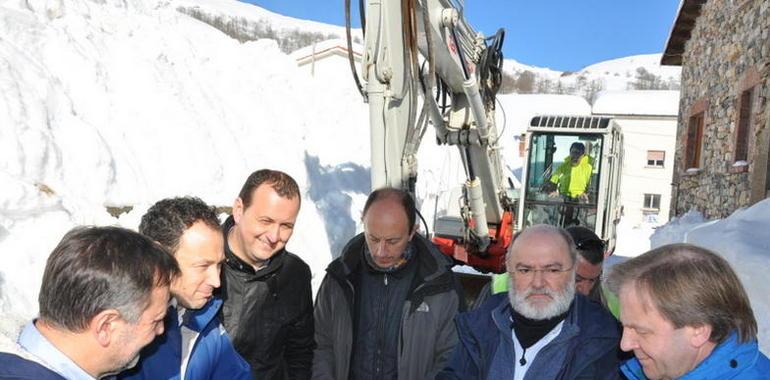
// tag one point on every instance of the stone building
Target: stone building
(723, 133)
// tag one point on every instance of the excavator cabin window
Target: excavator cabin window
(562, 179)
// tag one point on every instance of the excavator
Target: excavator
(423, 64)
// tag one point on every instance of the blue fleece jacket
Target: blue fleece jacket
(729, 360)
(586, 347)
(212, 357)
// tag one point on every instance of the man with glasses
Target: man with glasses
(541, 330)
(588, 271)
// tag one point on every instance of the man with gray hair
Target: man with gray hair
(541, 330)
(103, 298)
(685, 314)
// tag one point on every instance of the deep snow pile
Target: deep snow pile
(125, 103)
(742, 239)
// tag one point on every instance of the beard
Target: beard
(559, 303)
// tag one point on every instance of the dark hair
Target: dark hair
(168, 219)
(403, 197)
(98, 268)
(578, 146)
(690, 286)
(281, 182)
(588, 244)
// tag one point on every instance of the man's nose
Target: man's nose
(538, 278)
(274, 233)
(627, 341)
(213, 276)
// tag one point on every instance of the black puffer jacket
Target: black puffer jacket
(269, 313)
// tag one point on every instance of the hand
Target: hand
(553, 194)
(583, 197)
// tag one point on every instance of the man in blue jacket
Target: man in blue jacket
(540, 329)
(686, 315)
(195, 345)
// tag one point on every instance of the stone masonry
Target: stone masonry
(728, 49)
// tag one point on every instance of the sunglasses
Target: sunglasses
(591, 245)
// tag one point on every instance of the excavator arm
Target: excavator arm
(424, 64)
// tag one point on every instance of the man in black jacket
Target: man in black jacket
(386, 306)
(268, 308)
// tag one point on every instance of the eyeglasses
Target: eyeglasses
(591, 245)
(551, 273)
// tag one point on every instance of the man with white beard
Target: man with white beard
(541, 330)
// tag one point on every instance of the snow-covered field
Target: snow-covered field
(123, 103)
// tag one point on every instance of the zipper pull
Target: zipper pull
(386, 279)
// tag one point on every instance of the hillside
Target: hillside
(639, 72)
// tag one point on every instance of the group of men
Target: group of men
(188, 298)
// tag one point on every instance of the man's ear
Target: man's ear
(104, 326)
(700, 335)
(237, 210)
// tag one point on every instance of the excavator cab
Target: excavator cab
(571, 176)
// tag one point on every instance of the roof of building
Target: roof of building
(325, 47)
(637, 103)
(688, 12)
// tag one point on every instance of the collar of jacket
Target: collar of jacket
(577, 312)
(245, 269)
(728, 360)
(198, 319)
(433, 273)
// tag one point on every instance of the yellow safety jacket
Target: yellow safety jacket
(573, 180)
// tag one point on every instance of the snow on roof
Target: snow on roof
(637, 102)
(320, 48)
(520, 108)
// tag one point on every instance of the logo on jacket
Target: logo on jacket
(423, 307)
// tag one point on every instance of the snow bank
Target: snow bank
(742, 239)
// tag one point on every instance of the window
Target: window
(694, 141)
(651, 201)
(744, 126)
(655, 158)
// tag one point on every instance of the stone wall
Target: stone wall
(729, 48)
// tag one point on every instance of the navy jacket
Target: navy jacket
(586, 348)
(212, 356)
(729, 360)
(14, 367)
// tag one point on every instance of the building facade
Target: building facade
(648, 120)
(721, 160)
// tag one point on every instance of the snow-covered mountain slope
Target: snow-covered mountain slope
(639, 72)
(246, 22)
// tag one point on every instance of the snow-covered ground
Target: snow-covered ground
(123, 103)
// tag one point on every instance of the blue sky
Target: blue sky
(559, 34)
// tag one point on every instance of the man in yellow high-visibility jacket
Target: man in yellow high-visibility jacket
(574, 174)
